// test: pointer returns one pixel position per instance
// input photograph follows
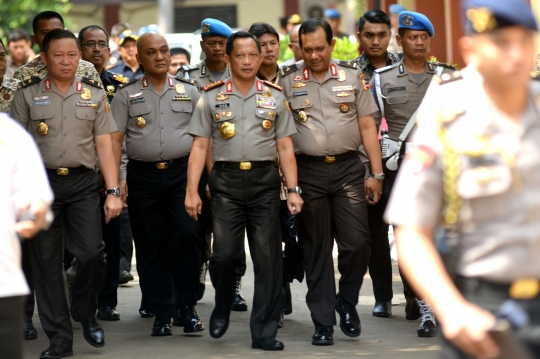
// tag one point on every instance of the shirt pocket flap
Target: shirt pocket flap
(41, 113)
(85, 113)
(486, 181)
(182, 106)
(138, 109)
(266, 114)
(301, 102)
(343, 99)
(397, 99)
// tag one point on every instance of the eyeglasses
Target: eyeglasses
(92, 44)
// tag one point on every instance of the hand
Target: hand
(29, 228)
(466, 326)
(113, 207)
(124, 189)
(374, 186)
(208, 194)
(193, 204)
(294, 203)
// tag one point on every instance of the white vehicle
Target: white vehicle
(189, 41)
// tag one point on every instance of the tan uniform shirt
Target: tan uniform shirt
(155, 124)
(256, 121)
(37, 68)
(201, 75)
(73, 119)
(326, 113)
(8, 87)
(402, 94)
(498, 182)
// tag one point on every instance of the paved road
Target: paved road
(130, 337)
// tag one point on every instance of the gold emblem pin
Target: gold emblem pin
(342, 76)
(227, 130)
(302, 116)
(482, 19)
(267, 92)
(344, 94)
(221, 97)
(228, 114)
(43, 128)
(141, 122)
(306, 102)
(272, 114)
(217, 117)
(86, 94)
(266, 124)
(344, 107)
(180, 89)
(299, 85)
(110, 88)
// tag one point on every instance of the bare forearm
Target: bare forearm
(197, 161)
(287, 162)
(209, 162)
(368, 132)
(117, 139)
(108, 165)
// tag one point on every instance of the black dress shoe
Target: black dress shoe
(349, 320)
(191, 320)
(56, 352)
(382, 309)
(29, 331)
(108, 314)
(267, 343)
(288, 298)
(93, 332)
(412, 310)
(144, 309)
(125, 277)
(177, 319)
(161, 328)
(202, 281)
(218, 326)
(323, 336)
(239, 304)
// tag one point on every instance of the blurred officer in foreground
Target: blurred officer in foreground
(333, 114)
(399, 90)
(20, 51)
(25, 197)
(153, 113)
(127, 47)
(69, 117)
(43, 23)
(8, 85)
(474, 173)
(393, 46)
(95, 49)
(179, 57)
(247, 119)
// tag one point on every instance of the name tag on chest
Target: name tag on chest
(136, 100)
(42, 103)
(300, 93)
(265, 102)
(394, 89)
(223, 105)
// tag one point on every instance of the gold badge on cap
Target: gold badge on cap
(482, 19)
(407, 20)
(227, 130)
(86, 94)
(344, 108)
(140, 122)
(342, 76)
(180, 89)
(302, 116)
(266, 124)
(43, 128)
(205, 27)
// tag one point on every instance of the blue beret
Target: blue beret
(486, 15)
(213, 27)
(149, 28)
(410, 20)
(396, 9)
(332, 14)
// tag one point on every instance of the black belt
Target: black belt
(160, 165)
(243, 166)
(328, 159)
(67, 171)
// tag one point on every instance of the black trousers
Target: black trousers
(247, 201)
(334, 207)
(30, 301)
(166, 238)
(111, 237)
(11, 326)
(126, 241)
(76, 211)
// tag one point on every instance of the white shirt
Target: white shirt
(22, 181)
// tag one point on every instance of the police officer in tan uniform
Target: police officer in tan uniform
(470, 184)
(69, 117)
(247, 120)
(399, 90)
(153, 113)
(333, 113)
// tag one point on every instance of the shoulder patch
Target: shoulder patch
(350, 64)
(91, 82)
(442, 64)
(386, 68)
(188, 68)
(447, 78)
(31, 81)
(185, 80)
(119, 78)
(128, 83)
(213, 85)
(285, 70)
(273, 85)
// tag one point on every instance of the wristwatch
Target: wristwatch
(296, 190)
(380, 176)
(116, 191)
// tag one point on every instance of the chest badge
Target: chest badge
(302, 116)
(344, 94)
(267, 92)
(307, 102)
(299, 85)
(227, 130)
(140, 122)
(180, 89)
(298, 78)
(221, 96)
(42, 128)
(86, 94)
(344, 108)
(110, 88)
(217, 117)
(266, 124)
(342, 76)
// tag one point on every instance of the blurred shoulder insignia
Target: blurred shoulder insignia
(29, 82)
(128, 83)
(387, 68)
(119, 78)
(447, 78)
(442, 64)
(350, 64)
(188, 68)
(91, 82)
(188, 81)
(213, 85)
(285, 70)
(419, 158)
(271, 84)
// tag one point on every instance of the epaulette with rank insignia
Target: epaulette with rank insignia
(128, 83)
(183, 79)
(386, 68)
(188, 68)
(271, 84)
(213, 85)
(285, 70)
(442, 64)
(91, 82)
(119, 78)
(348, 64)
(29, 82)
